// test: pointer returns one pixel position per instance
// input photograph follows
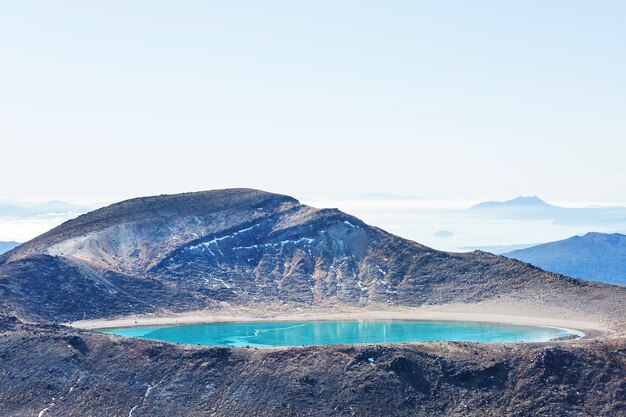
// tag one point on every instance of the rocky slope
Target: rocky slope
(246, 247)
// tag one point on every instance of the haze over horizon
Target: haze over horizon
(321, 101)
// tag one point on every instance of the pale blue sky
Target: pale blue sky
(103, 100)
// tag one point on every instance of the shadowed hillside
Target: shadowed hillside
(594, 256)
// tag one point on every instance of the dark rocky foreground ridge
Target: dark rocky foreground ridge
(76, 373)
(251, 248)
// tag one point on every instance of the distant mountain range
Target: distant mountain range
(533, 202)
(594, 256)
(534, 208)
(7, 246)
(518, 208)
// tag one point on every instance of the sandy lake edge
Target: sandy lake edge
(589, 329)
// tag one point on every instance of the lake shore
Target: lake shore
(474, 313)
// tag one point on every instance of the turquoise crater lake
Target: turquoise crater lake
(298, 333)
